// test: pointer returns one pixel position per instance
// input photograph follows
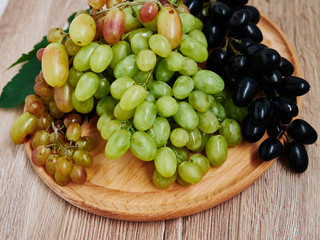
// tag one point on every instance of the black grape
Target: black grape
(260, 110)
(245, 91)
(238, 65)
(272, 79)
(294, 86)
(219, 11)
(214, 32)
(302, 131)
(297, 156)
(265, 60)
(217, 60)
(239, 20)
(194, 6)
(286, 68)
(270, 148)
(251, 131)
(254, 13)
(274, 128)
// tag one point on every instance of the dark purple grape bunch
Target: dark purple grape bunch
(249, 67)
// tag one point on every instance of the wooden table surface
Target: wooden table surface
(279, 205)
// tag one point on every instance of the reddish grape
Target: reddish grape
(40, 54)
(50, 163)
(71, 118)
(114, 26)
(40, 155)
(78, 174)
(34, 105)
(40, 138)
(112, 3)
(44, 121)
(42, 89)
(148, 12)
(62, 97)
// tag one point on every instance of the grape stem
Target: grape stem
(179, 158)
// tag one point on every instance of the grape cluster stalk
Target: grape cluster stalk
(137, 65)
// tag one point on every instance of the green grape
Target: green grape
(190, 67)
(194, 139)
(219, 111)
(62, 97)
(166, 106)
(40, 154)
(39, 138)
(150, 97)
(74, 76)
(61, 179)
(182, 182)
(208, 122)
(175, 61)
(162, 72)
(235, 112)
(141, 77)
(212, 100)
(144, 115)
(231, 130)
(23, 127)
(186, 116)
(81, 61)
(63, 165)
(82, 106)
(199, 35)
(163, 182)
(190, 172)
(198, 24)
(182, 154)
(160, 131)
(217, 150)
(194, 49)
(78, 174)
(132, 97)
(73, 132)
(146, 60)
(199, 101)
(182, 87)
(204, 139)
(87, 86)
(120, 50)
(55, 65)
(159, 89)
(132, 21)
(160, 45)
(120, 85)
(185, 36)
(101, 58)
(144, 32)
(103, 88)
(127, 67)
(143, 146)
(50, 163)
(105, 117)
(82, 158)
(118, 144)
(179, 137)
(201, 161)
(120, 114)
(109, 128)
(166, 162)
(106, 105)
(82, 29)
(138, 43)
(188, 22)
(208, 82)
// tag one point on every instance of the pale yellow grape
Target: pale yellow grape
(82, 29)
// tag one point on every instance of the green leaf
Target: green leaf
(27, 56)
(21, 84)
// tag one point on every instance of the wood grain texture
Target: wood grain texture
(279, 205)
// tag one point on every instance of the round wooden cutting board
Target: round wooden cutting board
(123, 188)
